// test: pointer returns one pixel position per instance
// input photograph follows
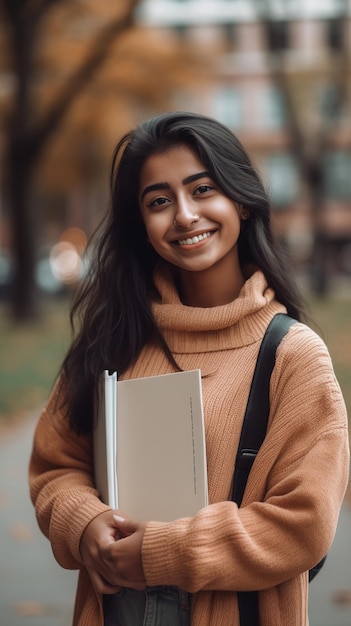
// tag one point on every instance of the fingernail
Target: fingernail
(118, 518)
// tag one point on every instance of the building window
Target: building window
(227, 106)
(337, 179)
(273, 108)
(182, 30)
(229, 31)
(330, 99)
(282, 179)
(334, 33)
(278, 35)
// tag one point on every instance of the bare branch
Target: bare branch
(39, 8)
(95, 58)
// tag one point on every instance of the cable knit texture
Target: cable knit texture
(290, 509)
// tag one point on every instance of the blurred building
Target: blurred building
(281, 80)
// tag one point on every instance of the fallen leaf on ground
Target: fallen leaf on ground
(30, 608)
(343, 596)
(21, 532)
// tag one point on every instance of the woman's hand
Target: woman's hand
(109, 566)
(127, 551)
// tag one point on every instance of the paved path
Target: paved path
(35, 591)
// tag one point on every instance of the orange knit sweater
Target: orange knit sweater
(290, 508)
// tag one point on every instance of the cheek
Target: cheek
(225, 208)
(156, 226)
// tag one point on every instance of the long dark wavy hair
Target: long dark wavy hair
(111, 317)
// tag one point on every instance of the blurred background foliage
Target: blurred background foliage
(75, 75)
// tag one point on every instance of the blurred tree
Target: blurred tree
(29, 129)
(69, 64)
(317, 99)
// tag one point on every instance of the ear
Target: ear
(244, 213)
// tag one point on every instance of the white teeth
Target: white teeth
(196, 239)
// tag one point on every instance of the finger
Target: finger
(123, 582)
(101, 585)
(113, 581)
(127, 526)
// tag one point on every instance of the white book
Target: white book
(149, 446)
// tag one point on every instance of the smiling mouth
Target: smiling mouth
(191, 240)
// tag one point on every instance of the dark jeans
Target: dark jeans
(155, 606)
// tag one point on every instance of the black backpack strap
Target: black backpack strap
(312, 573)
(256, 415)
(253, 433)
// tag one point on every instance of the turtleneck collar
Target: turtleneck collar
(195, 329)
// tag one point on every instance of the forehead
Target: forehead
(175, 163)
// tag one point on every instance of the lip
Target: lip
(188, 236)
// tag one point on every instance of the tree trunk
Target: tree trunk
(23, 291)
(19, 164)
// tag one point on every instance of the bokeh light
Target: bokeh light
(65, 262)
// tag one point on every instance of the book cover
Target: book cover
(149, 446)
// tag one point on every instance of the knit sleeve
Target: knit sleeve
(61, 482)
(290, 509)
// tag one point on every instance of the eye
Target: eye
(157, 202)
(204, 188)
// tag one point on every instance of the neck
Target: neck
(203, 289)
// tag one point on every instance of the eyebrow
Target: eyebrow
(185, 181)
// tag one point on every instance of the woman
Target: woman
(187, 274)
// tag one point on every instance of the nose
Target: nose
(185, 214)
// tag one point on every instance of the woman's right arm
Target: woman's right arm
(62, 482)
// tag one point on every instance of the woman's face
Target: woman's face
(189, 221)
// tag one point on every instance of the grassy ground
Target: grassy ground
(333, 317)
(30, 356)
